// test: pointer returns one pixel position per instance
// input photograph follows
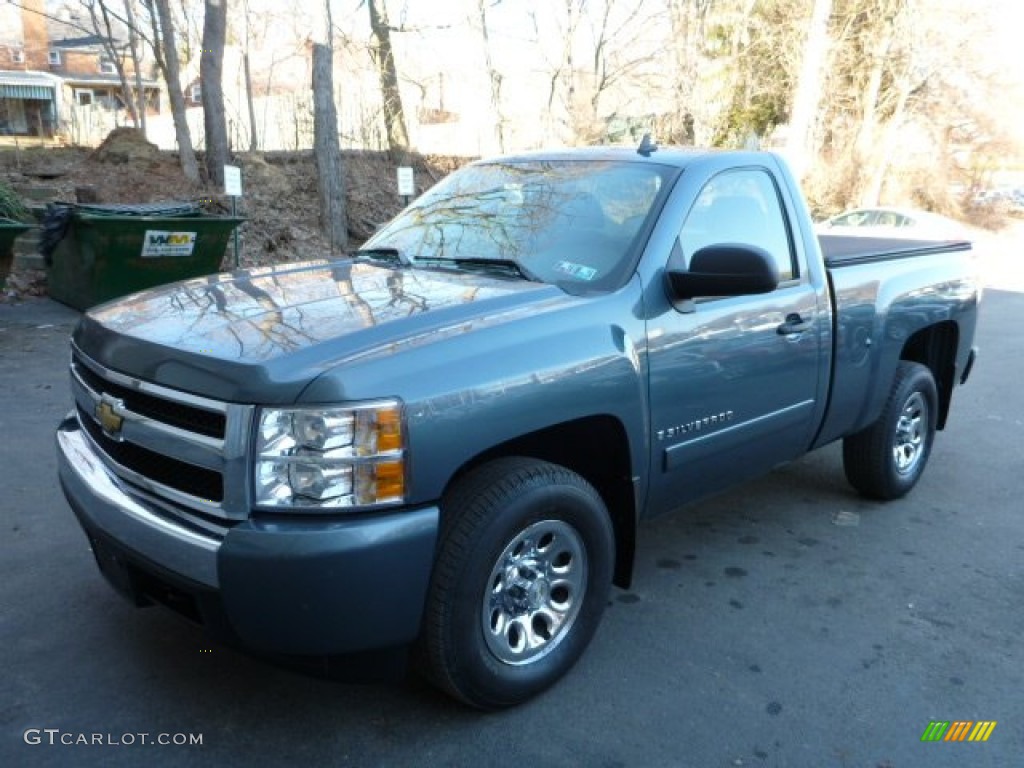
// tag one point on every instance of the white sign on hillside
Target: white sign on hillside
(232, 180)
(406, 182)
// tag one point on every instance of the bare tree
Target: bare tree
(394, 114)
(942, 93)
(882, 31)
(101, 18)
(494, 75)
(254, 143)
(868, 84)
(600, 62)
(211, 73)
(133, 49)
(165, 51)
(687, 24)
(561, 104)
(620, 63)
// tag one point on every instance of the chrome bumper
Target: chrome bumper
(282, 586)
(98, 496)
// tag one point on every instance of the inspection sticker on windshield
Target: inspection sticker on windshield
(579, 271)
(158, 244)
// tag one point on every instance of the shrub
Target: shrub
(11, 206)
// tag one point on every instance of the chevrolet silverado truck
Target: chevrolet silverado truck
(442, 447)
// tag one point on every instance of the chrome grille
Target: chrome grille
(184, 449)
(188, 478)
(176, 414)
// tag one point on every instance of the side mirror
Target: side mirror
(728, 269)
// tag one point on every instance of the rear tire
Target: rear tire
(522, 577)
(885, 460)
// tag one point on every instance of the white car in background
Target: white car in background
(903, 223)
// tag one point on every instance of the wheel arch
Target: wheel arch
(935, 347)
(596, 448)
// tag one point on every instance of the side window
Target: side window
(890, 219)
(855, 219)
(740, 206)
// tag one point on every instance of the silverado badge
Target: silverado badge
(110, 415)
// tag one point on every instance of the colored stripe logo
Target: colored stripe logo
(958, 730)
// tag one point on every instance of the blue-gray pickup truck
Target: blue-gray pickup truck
(443, 447)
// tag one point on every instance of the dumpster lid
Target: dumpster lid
(166, 208)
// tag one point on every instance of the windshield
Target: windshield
(559, 221)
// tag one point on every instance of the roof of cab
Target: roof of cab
(674, 156)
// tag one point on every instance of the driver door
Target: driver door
(733, 380)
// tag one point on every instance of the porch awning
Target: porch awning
(34, 86)
(31, 92)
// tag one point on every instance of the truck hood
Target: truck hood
(262, 335)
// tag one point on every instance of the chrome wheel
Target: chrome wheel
(911, 434)
(886, 459)
(533, 544)
(535, 592)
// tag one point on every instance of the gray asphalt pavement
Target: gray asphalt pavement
(786, 623)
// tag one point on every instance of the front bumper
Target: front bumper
(282, 585)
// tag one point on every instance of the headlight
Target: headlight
(330, 457)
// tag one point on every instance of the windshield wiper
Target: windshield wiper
(481, 264)
(388, 254)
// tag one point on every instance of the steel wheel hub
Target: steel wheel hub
(535, 591)
(911, 432)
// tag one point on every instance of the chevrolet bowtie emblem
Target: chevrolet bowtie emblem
(109, 413)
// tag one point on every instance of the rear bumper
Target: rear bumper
(294, 586)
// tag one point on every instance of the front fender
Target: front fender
(570, 358)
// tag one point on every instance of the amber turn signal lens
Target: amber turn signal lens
(389, 430)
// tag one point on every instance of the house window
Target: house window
(55, 58)
(195, 93)
(17, 56)
(83, 97)
(107, 67)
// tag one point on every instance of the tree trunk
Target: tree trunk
(885, 150)
(211, 72)
(329, 168)
(802, 146)
(394, 114)
(570, 67)
(872, 91)
(495, 77)
(254, 143)
(133, 48)
(165, 50)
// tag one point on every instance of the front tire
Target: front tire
(522, 576)
(887, 459)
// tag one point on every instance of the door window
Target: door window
(743, 207)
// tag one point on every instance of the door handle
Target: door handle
(794, 324)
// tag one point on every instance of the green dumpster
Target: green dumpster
(9, 231)
(109, 251)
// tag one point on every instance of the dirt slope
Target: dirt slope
(279, 191)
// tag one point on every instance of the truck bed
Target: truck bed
(842, 250)
(884, 291)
